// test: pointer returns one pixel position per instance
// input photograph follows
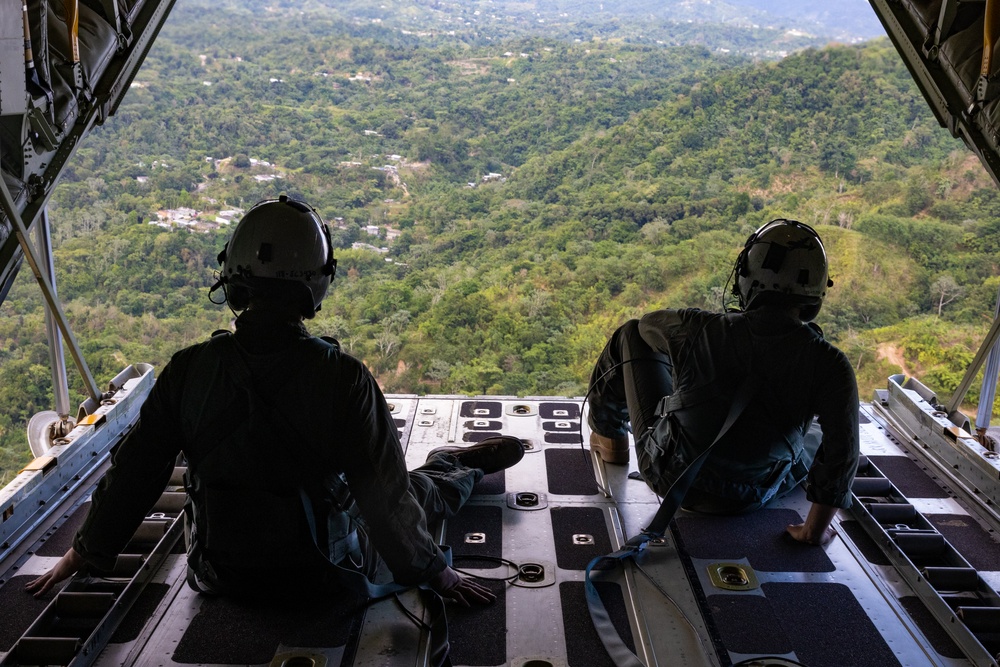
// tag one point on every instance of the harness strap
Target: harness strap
(686, 398)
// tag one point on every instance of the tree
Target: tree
(945, 290)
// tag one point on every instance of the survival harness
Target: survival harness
(328, 509)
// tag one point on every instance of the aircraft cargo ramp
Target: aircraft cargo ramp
(911, 578)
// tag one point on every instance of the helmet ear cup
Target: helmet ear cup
(741, 271)
(238, 297)
(809, 312)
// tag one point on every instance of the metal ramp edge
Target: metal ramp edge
(965, 605)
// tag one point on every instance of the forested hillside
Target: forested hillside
(500, 205)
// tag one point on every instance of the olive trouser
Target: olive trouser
(627, 383)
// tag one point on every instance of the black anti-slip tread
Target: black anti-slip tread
(491, 485)
(583, 645)
(478, 634)
(61, 540)
(912, 480)
(19, 609)
(569, 472)
(940, 640)
(493, 409)
(822, 623)
(479, 436)
(487, 519)
(746, 623)
(231, 632)
(827, 625)
(547, 410)
(975, 543)
(562, 438)
(140, 613)
(864, 542)
(570, 521)
(759, 537)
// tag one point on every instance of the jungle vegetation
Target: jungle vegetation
(536, 191)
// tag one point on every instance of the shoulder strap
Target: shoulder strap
(620, 654)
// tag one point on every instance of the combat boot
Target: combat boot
(489, 455)
(611, 450)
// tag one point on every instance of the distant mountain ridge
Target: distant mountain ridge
(843, 19)
(761, 28)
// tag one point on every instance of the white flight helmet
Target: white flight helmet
(278, 240)
(783, 257)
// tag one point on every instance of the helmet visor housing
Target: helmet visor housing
(784, 258)
(280, 242)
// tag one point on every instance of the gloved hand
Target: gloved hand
(452, 586)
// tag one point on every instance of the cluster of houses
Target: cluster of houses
(199, 221)
(202, 221)
(491, 177)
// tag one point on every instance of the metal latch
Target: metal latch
(526, 500)
(733, 576)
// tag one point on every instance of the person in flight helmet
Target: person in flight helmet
(295, 475)
(674, 375)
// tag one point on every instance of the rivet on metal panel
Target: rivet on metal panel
(531, 572)
(428, 411)
(526, 499)
(475, 538)
(425, 422)
(583, 539)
